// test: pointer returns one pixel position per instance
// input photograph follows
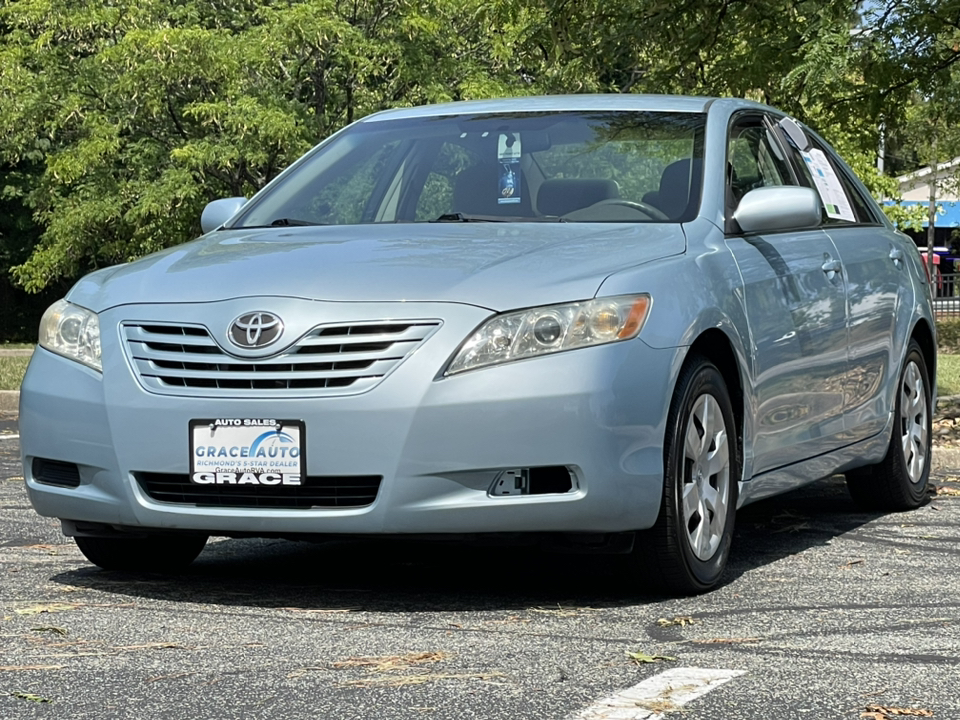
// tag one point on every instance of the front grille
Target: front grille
(54, 472)
(317, 491)
(328, 360)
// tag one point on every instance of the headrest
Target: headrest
(475, 193)
(678, 183)
(558, 197)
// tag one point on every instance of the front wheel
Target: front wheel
(687, 549)
(899, 481)
(156, 553)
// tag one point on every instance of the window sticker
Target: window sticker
(832, 194)
(508, 154)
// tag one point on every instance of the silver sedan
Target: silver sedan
(605, 322)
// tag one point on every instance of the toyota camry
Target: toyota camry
(605, 322)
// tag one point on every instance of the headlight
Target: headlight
(73, 332)
(550, 329)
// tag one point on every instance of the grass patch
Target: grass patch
(948, 335)
(12, 370)
(948, 374)
(15, 346)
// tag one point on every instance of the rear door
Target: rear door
(795, 302)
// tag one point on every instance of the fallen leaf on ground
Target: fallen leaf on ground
(680, 620)
(563, 612)
(31, 697)
(392, 663)
(660, 707)
(727, 641)
(639, 658)
(50, 608)
(883, 712)
(51, 629)
(155, 646)
(946, 490)
(858, 561)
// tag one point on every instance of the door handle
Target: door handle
(896, 254)
(830, 266)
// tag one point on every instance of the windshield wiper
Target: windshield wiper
(459, 217)
(289, 222)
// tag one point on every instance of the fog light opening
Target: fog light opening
(54, 472)
(548, 480)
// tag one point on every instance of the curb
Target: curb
(945, 459)
(10, 401)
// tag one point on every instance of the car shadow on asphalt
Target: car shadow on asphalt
(403, 576)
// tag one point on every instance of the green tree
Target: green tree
(152, 108)
(144, 111)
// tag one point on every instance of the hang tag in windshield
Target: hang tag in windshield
(508, 156)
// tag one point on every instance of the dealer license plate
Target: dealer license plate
(247, 452)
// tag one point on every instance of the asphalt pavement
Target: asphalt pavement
(825, 612)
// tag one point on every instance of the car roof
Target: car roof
(574, 103)
(553, 103)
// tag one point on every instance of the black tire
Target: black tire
(156, 553)
(900, 480)
(672, 553)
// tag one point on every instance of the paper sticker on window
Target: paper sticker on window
(508, 154)
(832, 194)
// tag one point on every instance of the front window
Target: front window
(512, 167)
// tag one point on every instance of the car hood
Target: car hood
(496, 266)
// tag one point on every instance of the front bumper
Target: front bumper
(437, 443)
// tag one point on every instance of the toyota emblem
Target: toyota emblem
(255, 330)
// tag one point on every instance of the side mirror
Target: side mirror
(218, 212)
(772, 209)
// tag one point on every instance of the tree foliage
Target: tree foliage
(148, 109)
(121, 119)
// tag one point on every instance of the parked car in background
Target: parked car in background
(607, 321)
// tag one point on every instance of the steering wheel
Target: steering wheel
(647, 209)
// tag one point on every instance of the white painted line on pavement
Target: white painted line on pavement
(9, 437)
(659, 695)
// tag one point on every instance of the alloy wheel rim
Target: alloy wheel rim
(705, 490)
(913, 422)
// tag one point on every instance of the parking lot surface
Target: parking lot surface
(825, 612)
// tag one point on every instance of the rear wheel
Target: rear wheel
(899, 481)
(687, 549)
(156, 553)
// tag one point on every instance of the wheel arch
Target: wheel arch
(923, 334)
(714, 345)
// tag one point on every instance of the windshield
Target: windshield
(512, 167)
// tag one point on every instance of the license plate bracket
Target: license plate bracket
(247, 452)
